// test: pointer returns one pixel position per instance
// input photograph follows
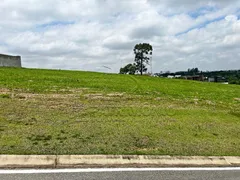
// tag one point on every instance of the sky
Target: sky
(99, 35)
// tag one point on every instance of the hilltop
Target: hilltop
(74, 112)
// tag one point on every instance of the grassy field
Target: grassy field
(73, 112)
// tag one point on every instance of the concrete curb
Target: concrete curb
(22, 161)
(72, 161)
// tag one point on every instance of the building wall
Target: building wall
(211, 79)
(10, 61)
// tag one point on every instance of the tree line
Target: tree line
(231, 76)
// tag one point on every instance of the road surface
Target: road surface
(122, 174)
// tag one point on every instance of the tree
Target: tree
(193, 71)
(142, 53)
(128, 69)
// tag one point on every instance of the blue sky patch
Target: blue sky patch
(3, 44)
(202, 11)
(56, 23)
(201, 25)
(238, 13)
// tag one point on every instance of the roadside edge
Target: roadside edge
(86, 161)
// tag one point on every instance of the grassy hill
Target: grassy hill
(74, 112)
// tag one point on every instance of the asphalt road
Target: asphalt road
(224, 174)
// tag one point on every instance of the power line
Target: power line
(107, 67)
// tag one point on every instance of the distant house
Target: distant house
(195, 78)
(170, 77)
(217, 79)
(178, 76)
(211, 79)
(10, 61)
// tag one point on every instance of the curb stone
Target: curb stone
(19, 161)
(235, 161)
(85, 161)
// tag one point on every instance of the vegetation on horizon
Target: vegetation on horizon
(231, 76)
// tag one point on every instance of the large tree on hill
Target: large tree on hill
(142, 52)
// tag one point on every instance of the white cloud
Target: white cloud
(231, 18)
(90, 34)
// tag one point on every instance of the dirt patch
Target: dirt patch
(237, 99)
(97, 96)
(77, 90)
(4, 91)
(196, 101)
(103, 96)
(50, 97)
(115, 95)
(209, 102)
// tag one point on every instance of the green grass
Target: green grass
(73, 112)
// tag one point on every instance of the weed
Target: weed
(43, 137)
(5, 96)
